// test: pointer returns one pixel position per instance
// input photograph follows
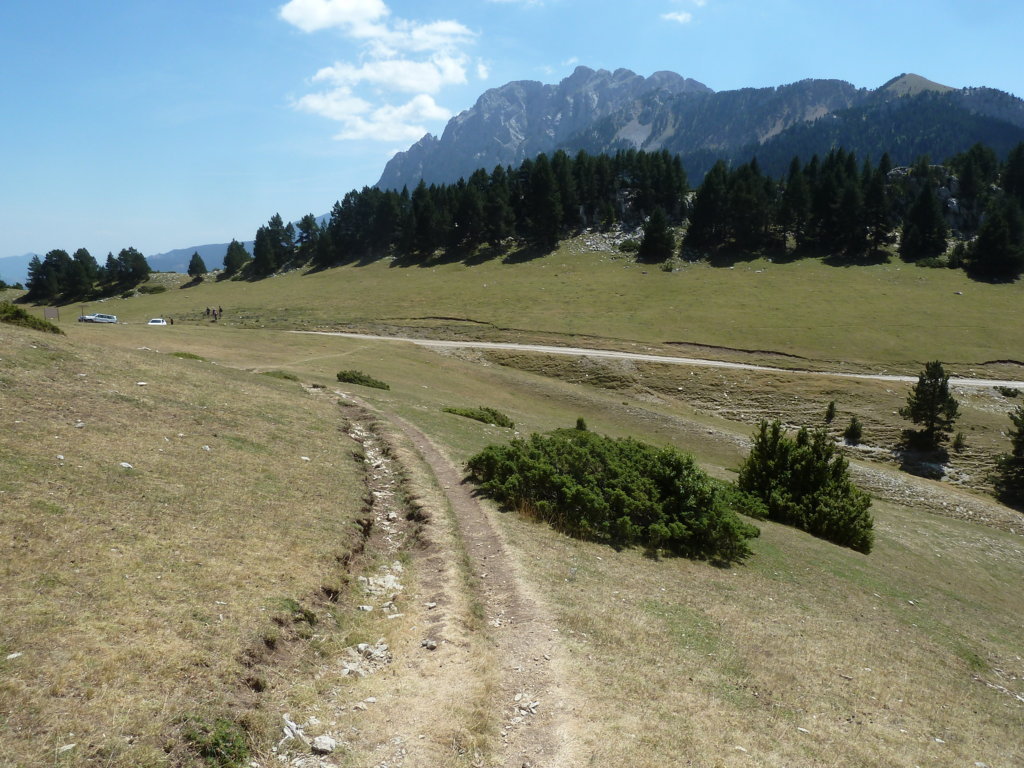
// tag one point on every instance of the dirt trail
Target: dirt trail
(535, 701)
(510, 670)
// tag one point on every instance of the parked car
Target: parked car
(98, 318)
(157, 321)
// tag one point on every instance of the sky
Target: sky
(163, 124)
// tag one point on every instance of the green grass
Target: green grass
(892, 314)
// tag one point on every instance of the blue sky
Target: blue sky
(163, 124)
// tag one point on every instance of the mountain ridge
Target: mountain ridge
(602, 111)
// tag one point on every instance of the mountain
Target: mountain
(14, 269)
(600, 111)
(178, 259)
(524, 118)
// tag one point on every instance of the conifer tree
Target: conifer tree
(235, 258)
(998, 251)
(658, 243)
(196, 266)
(931, 405)
(1010, 470)
(924, 231)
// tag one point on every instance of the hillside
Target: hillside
(542, 645)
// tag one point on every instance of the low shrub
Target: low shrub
(280, 375)
(620, 492)
(630, 245)
(152, 289)
(220, 744)
(806, 483)
(358, 377)
(1007, 391)
(9, 313)
(484, 414)
(187, 356)
(854, 431)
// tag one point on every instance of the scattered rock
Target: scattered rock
(126, 465)
(430, 645)
(324, 745)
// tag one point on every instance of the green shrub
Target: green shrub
(187, 356)
(581, 424)
(152, 288)
(220, 745)
(629, 246)
(830, 412)
(128, 294)
(854, 431)
(1007, 391)
(806, 484)
(358, 377)
(620, 492)
(18, 316)
(280, 375)
(484, 414)
(959, 442)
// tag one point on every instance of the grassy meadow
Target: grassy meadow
(132, 594)
(892, 316)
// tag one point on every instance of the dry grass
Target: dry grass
(876, 658)
(139, 596)
(679, 663)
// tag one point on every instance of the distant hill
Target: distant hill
(178, 259)
(14, 269)
(600, 111)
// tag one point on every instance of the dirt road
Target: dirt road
(665, 359)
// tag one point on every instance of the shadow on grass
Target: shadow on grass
(917, 456)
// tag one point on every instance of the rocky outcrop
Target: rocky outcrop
(601, 111)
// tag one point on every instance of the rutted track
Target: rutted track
(532, 706)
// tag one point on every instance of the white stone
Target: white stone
(126, 465)
(324, 745)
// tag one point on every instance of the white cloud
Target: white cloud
(394, 123)
(397, 56)
(399, 74)
(482, 71)
(683, 17)
(315, 15)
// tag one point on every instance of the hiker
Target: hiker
(207, 311)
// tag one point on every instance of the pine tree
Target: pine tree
(543, 205)
(931, 405)
(1009, 480)
(1013, 174)
(196, 266)
(235, 258)
(998, 251)
(658, 242)
(924, 231)
(264, 257)
(707, 230)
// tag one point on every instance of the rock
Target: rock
(365, 608)
(430, 645)
(324, 745)
(126, 465)
(206, 448)
(14, 655)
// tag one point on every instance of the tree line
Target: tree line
(60, 277)
(966, 213)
